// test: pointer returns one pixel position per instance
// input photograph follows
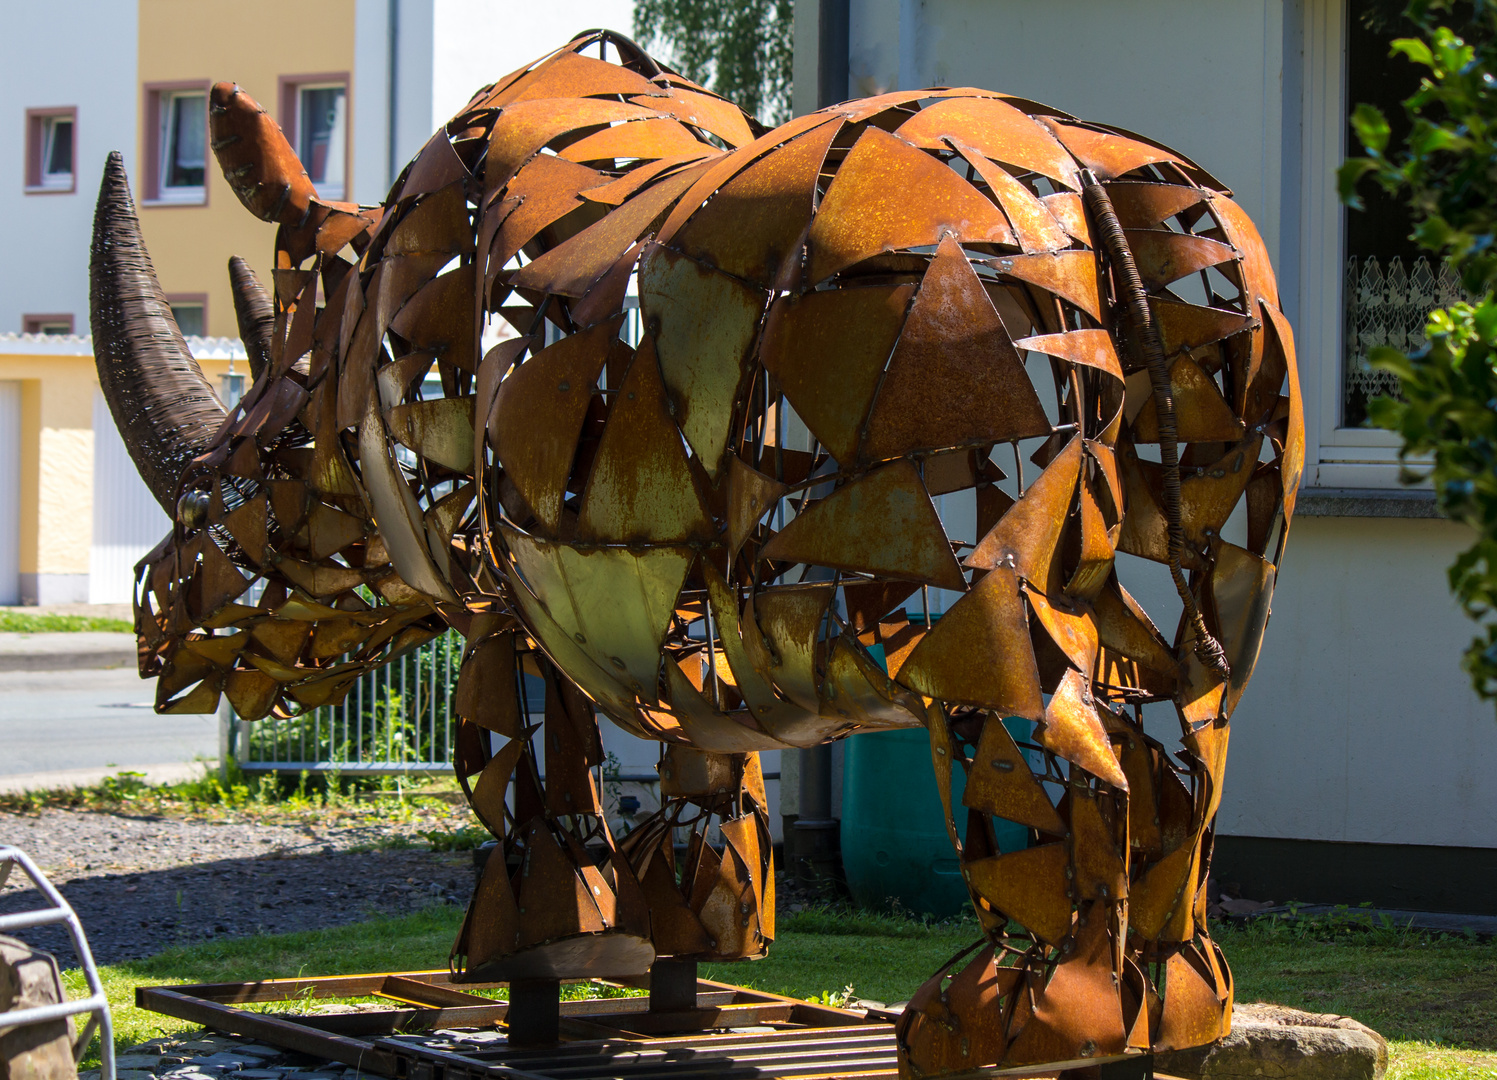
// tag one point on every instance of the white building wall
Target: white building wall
(371, 101)
(446, 50)
(1203, 78)
(415, 66)
(1359, 724)
(476, 42)
(45, 269)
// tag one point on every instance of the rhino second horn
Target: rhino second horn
(165, 409)
(254, 313)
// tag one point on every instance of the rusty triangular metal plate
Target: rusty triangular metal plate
(1035, 227)
(997, 130)
(1001, 783)
(1029, 887)
(1070, 275)
(1029, 534)
(704, 322)
(989, 622)
(1074, 731)
(751, 495)
(867, 210)
(955, 377)
(641, 487)
(828, 350)
(882, 523)
(538, 411)
(1201, 413)
(752, 224)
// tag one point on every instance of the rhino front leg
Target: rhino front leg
(556, 900)
(711, 898)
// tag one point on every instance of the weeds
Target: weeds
(327, 799)
(837, 999)
(1341, 925)
(465, 838)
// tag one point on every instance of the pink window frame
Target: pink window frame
(151, 142)
(286, 94)
(28, 322)
(34, 118)
(199, 298)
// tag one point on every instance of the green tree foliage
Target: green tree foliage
(1446, 169)
(740, 49)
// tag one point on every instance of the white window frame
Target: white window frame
(165, 106)
(324, 190)
(1336, 456)
(50, 181)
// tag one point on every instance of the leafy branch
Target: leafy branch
(739, 49)
(1446, 171)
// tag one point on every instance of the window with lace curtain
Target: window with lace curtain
(1388, 302)
(314, 116)
(1391, 284)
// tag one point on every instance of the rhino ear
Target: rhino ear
(256, 159)
(166, 411)
(254, 313)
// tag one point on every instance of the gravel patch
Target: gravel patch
(143, 884)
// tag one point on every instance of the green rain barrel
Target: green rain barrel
(894, 841)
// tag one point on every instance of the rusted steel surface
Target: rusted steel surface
(690, 481)
(700, 1029)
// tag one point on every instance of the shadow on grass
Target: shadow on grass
(128, 916)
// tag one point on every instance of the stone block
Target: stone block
(1271, 1041)
(29, 978)
(148, 1062)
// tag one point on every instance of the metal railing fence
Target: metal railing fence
(397, 719)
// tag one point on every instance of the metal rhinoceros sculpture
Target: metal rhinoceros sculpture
(694, 486)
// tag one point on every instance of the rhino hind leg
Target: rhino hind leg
(1094, 941)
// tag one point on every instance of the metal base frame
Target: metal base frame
(59, 911)
(436, 1029)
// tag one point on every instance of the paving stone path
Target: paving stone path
(209, 1056)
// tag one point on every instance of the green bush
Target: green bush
(1446, 170)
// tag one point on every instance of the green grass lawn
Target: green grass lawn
(19, 622)
(1434, 998)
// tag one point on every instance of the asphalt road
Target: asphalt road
(92, 718)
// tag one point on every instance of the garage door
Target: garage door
(10, 493)
(128, 522)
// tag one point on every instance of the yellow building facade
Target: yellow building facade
(271, 48)
(60, 456)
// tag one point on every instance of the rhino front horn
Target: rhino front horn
(165, 409)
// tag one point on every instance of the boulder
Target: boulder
(37, 1051)
(1271, 1042)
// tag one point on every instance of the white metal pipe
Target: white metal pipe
(96, 1003)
